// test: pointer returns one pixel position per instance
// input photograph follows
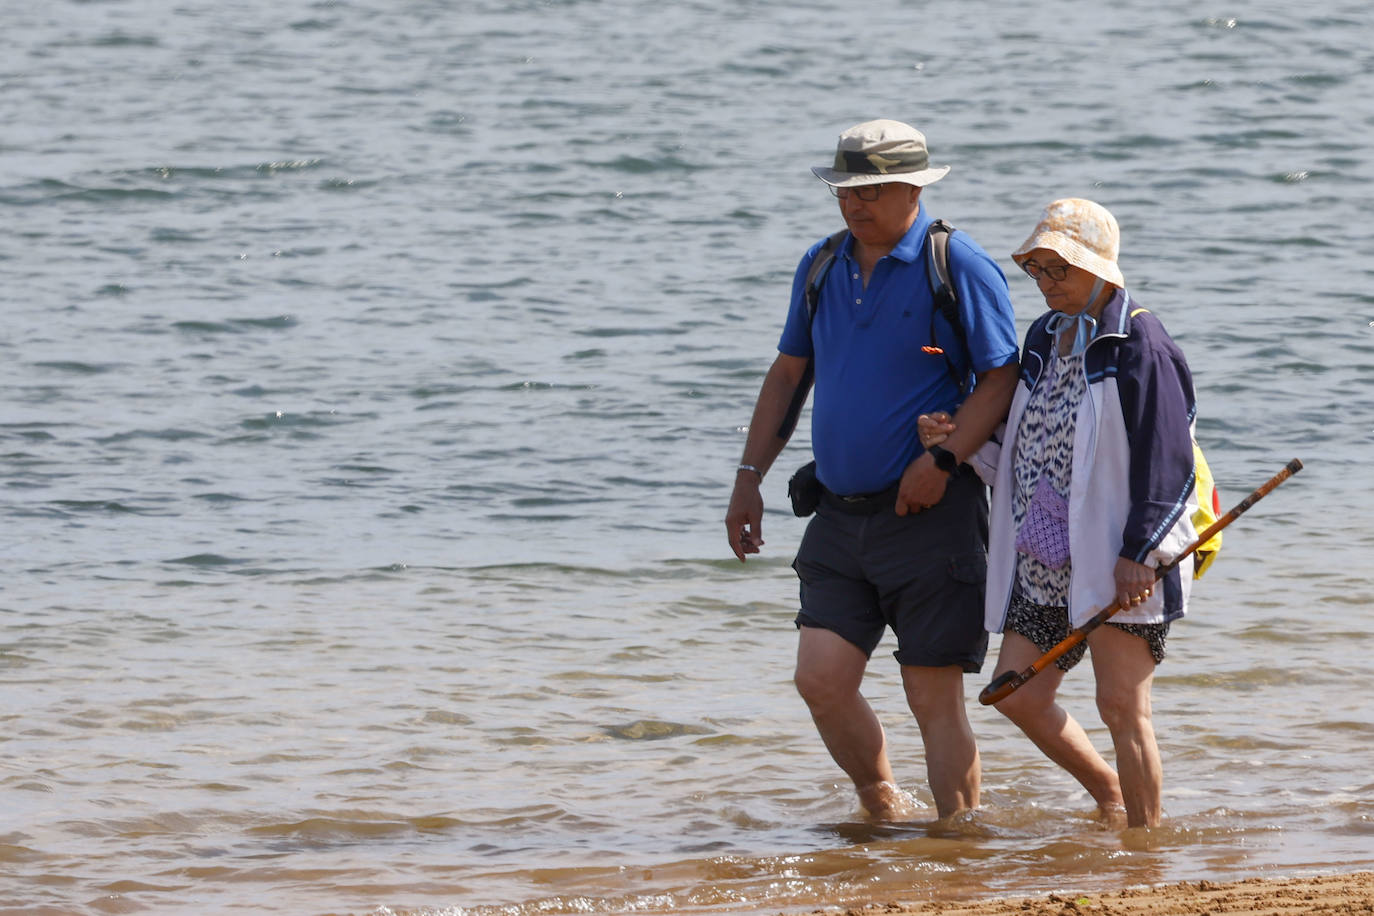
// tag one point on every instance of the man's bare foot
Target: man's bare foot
(885, 801)
(1113, 817)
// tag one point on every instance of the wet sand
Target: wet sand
(1331, 894)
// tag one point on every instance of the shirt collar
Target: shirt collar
(910, 247)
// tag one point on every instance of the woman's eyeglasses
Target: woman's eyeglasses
(1056, 272)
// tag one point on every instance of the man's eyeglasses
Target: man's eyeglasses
(868, 192)
(1056, 273)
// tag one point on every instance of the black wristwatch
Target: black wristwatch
(944, 459)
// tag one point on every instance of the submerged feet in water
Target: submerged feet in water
(885, 801)
(1112, 816)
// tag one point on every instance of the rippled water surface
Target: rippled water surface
(373, 374)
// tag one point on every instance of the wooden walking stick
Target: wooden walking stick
(1007, 682)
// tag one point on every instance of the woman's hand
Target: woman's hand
(1134, 582)
(934, 428)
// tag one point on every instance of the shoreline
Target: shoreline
(1351, 892)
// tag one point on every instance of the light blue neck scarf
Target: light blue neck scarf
(1083, 325)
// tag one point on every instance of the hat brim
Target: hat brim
(1071, 251)
(837, 179)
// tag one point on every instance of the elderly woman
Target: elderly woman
(1092, 489)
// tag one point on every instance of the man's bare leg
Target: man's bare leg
(936, 698)
(830, 670)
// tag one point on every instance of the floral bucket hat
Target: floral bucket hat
(1081, 232)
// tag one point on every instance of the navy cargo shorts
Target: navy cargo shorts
(863, 568)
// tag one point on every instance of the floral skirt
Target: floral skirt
(1047, 626)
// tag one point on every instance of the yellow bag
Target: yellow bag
(1207, 512)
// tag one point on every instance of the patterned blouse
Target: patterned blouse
(1045, 447)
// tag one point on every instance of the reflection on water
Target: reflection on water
(461, 753)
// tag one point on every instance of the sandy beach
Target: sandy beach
(1347, 893)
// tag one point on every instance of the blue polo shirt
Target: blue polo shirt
(872, 378)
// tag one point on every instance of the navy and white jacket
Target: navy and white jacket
(1131, 493)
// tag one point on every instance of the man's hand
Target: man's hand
(922, 485)
(744, 518)
(1134, 582)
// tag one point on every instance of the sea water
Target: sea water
(374, 375)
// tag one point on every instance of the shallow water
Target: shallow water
(374, 373)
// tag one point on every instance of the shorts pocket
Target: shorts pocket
(968, 568)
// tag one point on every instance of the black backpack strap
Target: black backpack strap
(815, 274)
(942, 286)
(943, 293)
(815, 277)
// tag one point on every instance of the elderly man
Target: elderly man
(899, 537)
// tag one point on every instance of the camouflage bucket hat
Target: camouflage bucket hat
(1081, 232)
(877, 152)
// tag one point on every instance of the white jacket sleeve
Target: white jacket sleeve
(984, 461)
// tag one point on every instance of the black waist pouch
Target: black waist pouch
(804, 489)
